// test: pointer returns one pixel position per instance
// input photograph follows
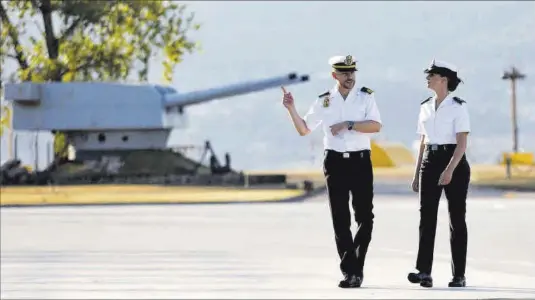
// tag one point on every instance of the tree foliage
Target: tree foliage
(84, 40)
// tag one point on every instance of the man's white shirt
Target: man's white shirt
(358, 106)
(440, 126)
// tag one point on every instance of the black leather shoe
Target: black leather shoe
(424, 279)
(457, 281)
(351, 281)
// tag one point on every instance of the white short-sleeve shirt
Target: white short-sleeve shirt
(441, 125)
(330, 108)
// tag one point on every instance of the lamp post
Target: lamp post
(513, 75)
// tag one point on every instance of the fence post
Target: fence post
(508, 162)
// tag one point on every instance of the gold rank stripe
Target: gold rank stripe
(345, 67)
(342, 69)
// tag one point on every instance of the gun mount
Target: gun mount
(99, 116)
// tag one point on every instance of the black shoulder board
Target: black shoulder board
(366, 90)
(458, 100)
(327, 93)
(426, 100)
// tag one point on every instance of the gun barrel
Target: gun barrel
(195, 97)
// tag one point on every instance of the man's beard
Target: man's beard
(348, 85)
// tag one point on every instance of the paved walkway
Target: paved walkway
(255, 251)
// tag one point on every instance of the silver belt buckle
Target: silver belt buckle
(346, 155)
(434, 147)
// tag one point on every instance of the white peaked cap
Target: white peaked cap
(341, 59)
(442, 64)
(343, 62)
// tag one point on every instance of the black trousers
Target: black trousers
(434, 162)
(350, 175)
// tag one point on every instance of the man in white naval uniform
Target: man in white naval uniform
(347, 116)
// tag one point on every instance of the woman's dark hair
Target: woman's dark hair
(453, 83)
(453, 80)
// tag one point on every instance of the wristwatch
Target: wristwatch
(350, 125)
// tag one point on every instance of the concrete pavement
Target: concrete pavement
(257, 251)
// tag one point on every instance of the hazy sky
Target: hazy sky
(393, 41)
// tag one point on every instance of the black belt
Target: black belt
(442, 147)
(348, 154)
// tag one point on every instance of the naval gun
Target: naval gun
(100, 116)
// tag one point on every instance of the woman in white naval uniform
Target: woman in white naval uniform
(443, 125)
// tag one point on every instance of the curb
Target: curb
(506, 188)
(294, 199)
(474, 183)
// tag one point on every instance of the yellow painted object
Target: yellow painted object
(518, 158)
(136, 194)
(388, 154)
(5, 118)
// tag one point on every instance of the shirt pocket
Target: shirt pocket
(446, 125)
(427, 124)
(330, 115)
(356, 113)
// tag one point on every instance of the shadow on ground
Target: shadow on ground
(479, 289)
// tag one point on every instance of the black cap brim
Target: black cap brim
(345, 68)
(445, 72)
